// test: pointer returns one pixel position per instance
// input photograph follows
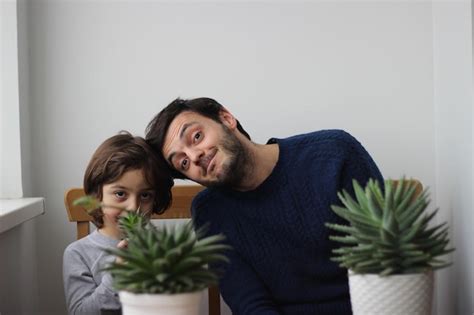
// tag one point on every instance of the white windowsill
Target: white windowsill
(16, 211)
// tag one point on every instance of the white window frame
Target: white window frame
(14, 208)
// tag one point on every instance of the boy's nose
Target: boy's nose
(133, 204)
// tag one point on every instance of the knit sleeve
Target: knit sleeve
(358, 165)
(240, 286)
(83, 294)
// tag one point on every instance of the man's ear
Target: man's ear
(228, 119)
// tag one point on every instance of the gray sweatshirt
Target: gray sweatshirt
(88, 289)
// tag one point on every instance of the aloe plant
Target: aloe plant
(163, 260)
(388, 231)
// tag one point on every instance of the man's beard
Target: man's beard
(236, 167)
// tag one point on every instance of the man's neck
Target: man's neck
(263, 159)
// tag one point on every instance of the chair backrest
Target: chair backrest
(180, 209)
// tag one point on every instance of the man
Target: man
(271, 201)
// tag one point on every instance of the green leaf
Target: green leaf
(409, 217)
(373, 205)
(344, 239)
(350, 203)
(341, 228)
(406, 198)
(399, 190)
(89, 203)
(389, 198)
(361, 197)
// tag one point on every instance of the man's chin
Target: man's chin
(217, 182)
(212, 183)
(223, 178)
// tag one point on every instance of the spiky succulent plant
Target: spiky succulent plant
(388, 231)
(172, 259)
(166, 260)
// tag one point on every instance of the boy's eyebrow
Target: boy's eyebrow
(118, 186)
(123, 187)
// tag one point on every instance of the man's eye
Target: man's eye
(197, 136)
(120, 194)
(184, 164)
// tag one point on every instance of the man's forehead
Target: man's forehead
(182, 121)
(177, 126)
(186, 116)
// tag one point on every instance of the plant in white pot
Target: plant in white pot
(389, 248)
(162, 271)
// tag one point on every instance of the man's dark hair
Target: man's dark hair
(158, 126)
(120, 154)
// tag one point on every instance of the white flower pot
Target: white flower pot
(160, 304)
(391, 295)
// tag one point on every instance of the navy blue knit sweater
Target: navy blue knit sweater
(280, 258)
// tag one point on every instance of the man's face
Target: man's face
(204, 150)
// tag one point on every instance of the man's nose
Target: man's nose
(195, 154)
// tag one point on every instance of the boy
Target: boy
(123, 173)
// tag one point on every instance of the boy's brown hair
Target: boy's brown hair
(122, 153)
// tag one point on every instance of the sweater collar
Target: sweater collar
(103, 240)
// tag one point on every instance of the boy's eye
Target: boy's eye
(146, 196)
(119, 194)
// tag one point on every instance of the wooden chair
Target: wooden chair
(180, 209)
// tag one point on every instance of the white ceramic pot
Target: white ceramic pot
(391, 295)
(160, 304)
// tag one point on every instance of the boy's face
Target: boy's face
(131, 192)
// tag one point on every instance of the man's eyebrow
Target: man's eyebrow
(170, 158)
(181, 135)
(186, 126)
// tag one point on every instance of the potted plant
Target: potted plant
(165, 270)
(389, 248)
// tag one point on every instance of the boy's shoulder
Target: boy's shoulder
(91, 243)
(80, 245)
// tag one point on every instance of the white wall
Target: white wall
(10, 162)
(19, 286)
(282, 68)
(452, 47)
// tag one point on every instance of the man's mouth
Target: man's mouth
(207, 163)
(211, 166)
